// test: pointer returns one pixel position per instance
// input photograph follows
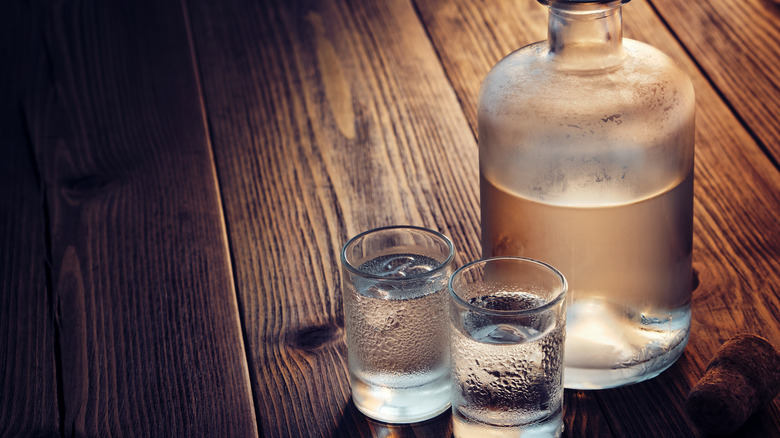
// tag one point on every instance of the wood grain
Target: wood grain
(736, 45)
(328, 118)
(737, 233)
(582, 416)
(149, 332)
(28, 384)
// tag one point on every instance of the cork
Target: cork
(742, 378)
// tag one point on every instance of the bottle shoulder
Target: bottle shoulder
(557, 134)
(532, 74)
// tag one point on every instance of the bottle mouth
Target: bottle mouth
(594, 2)
(575, 3)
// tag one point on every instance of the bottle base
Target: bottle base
(583, 378)
(604, 349)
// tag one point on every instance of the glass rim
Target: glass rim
(582, 6)
(446, 263)
(581, 2)
(560, 295)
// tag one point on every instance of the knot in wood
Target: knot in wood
(78, 189)
(313, 337)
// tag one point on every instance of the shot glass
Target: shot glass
(394, 286)
(507, 318)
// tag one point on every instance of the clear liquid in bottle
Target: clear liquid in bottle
(586, 163)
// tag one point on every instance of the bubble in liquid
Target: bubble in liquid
(508, 301)
(381, 318)
(399, 265)
(503, 383)
(395, 266)
(395, 326)
(507, 334)
(374, 291)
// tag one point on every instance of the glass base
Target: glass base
(550, 427)
(402, 405)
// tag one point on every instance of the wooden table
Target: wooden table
(178, 178)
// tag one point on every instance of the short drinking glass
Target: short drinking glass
(395, 314)
(507, 318)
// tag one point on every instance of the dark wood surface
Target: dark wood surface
(178, 178)
(28, 344)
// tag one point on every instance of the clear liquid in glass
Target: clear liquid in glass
(508, 376)
(398, 340)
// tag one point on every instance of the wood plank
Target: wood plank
(737, 45)
(582, 415)
(149, 331)
(28, 382)
(737, 231)
(328, 118)
(736, 225)
(627, 408)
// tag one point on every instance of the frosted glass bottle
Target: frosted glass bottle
(586, 162)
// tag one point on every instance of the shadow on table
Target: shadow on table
(355, 424)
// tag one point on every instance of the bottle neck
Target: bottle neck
(586, 36)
